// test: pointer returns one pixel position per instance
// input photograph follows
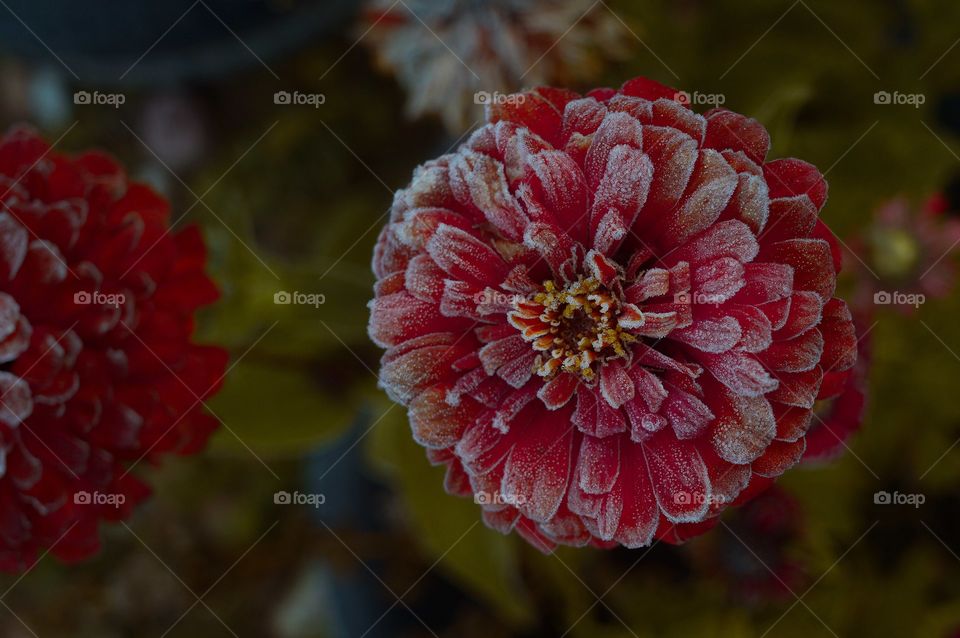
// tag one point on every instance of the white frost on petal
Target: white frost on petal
(679, 478)
(740, 372)
(598, 464)
(743, 432)
(17, 402)
(710, 336)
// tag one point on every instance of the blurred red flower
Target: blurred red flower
(97, 298)
(608, 315)
(758, 556)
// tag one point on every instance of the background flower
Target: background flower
(773, 525)
(444, 53)
(908, 251)
(99, 372)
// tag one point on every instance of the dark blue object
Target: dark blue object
(100, 41)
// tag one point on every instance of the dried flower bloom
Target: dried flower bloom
(453, 55)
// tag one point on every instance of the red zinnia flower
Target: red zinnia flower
(96, 314)
(608, 315)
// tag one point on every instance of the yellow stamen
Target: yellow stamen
(574, 326)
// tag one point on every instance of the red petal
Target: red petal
(729, 130)
(789, 177)
(679, 478)
(538, 468)
(435, 423)
(598, 464)
(465, 257)
(779, 458)
(558, 391)
(647, 89)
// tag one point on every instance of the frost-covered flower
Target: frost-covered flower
(609, 316)
(451, 55)
(96, 314)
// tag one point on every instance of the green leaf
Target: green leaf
(278, 410)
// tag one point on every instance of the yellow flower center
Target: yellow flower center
(572, 326)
